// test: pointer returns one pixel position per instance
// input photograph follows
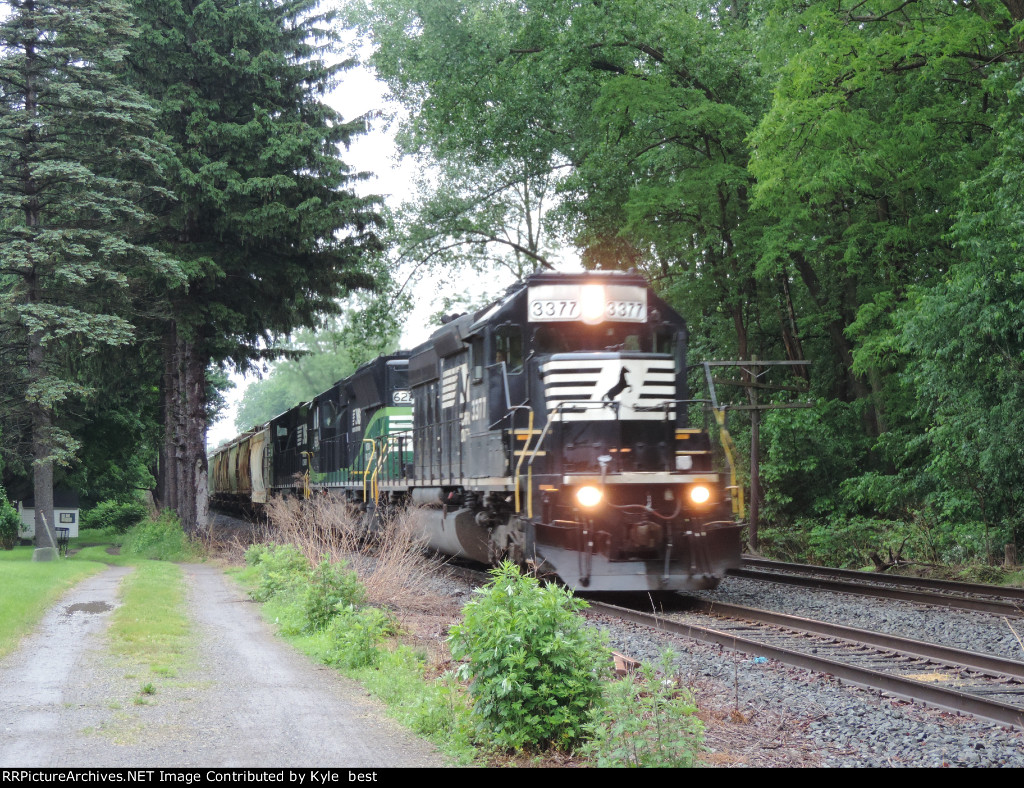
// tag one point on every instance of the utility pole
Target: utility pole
(751, 374)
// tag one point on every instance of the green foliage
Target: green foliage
(808, 454)
(118, 516)
(332, 587)
(329, 354)
(255, 554)
(534, 665)
(161, 539)
(355, 635)
(646, 720)
(79, 166)
(10, 522)
(280, 568)
(264, 215)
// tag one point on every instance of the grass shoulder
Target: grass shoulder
(31, 588)
(149, 631)
(529, 682)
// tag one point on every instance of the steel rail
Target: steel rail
(914, 648)
(867, 588)
(1005, 592)
(940, 697)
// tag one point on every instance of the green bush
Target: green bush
(331, 586)
(255, 554)
(355, 635)
(10, 522)
(646, 720)
(280, 567)
(161, 539)
(535, 667)
(118, 515)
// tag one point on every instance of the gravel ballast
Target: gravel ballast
(825, 722)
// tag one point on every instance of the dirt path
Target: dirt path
(249, 700)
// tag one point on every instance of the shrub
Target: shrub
(254, 554)
(331, 585)
(118, 515)
(280, 567)
(161, 539)
(646, 720)
(10, 522)
(355, 636)
(535, 667)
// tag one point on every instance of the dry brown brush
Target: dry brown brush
(390, 560)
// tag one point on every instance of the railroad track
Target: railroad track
(997, 600)
(965, 682)
(960, 681)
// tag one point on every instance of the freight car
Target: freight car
(550, 428)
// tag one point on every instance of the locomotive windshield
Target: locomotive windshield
(606, 337)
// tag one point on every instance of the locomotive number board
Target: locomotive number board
(588, 303)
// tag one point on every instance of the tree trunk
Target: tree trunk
(192, 493)
(42, 467)
(167, 480)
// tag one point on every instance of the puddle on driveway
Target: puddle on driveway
(88, 607)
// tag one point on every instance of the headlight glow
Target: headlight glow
(589, 496)
(592, 303)
(699, 493)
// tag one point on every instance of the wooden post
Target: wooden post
(755, 465)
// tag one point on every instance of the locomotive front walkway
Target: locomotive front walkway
(249, 700)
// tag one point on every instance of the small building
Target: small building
(65, 512)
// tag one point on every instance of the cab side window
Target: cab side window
(508, 347)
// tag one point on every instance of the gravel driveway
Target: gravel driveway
(247, 700)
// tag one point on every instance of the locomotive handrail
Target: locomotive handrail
(366, 468)
(509, 412)
(519, 465)
(665, 404)
(728, 446)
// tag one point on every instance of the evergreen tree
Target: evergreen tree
(76, 153)
(266, 220)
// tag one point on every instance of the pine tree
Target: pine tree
(265, 219)
(76, 154)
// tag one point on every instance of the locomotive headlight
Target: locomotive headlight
(589, 497)
(699, 493)
(592, 303)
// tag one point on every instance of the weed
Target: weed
(331, 586)
(646, 720)
(161, 539)
(534, 666)
(388, 557)
(355, 635)
(148, 689)
(279, 568)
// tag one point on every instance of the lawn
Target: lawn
(28, 589)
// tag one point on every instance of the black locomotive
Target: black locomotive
(550, 428)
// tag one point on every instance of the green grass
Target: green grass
(436, 709)
(31, 588)
(150, 628)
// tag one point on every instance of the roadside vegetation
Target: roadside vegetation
(31, 588)
(522, 675)
(149, 630)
